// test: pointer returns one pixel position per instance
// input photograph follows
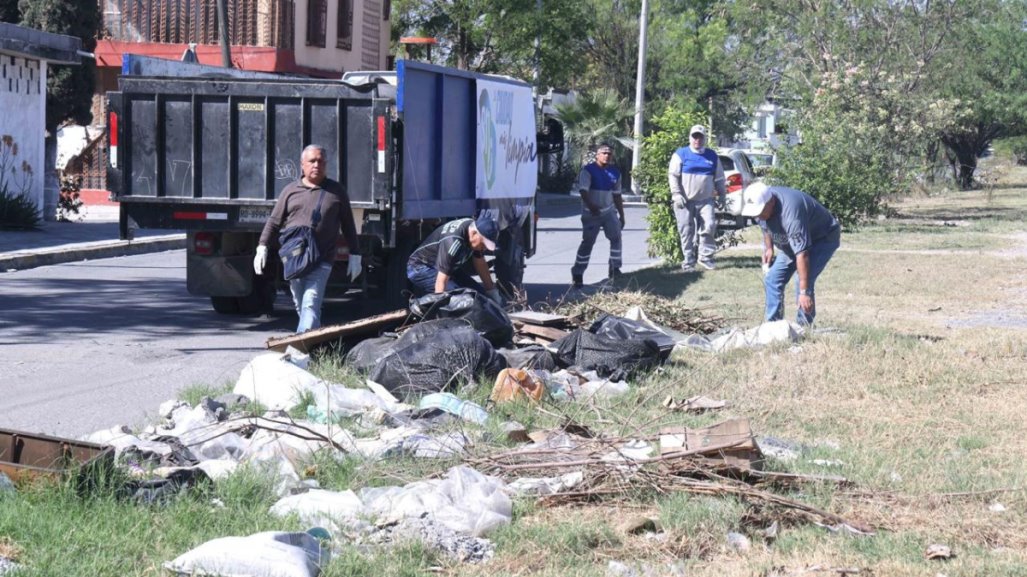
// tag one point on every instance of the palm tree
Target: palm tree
(595, 118)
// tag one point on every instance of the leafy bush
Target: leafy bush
(670, 132)
(17, 211)
(1019, 148)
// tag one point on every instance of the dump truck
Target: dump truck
(208, 153)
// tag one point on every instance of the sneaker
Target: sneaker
(576, 281)
(685, 267)
(708, 264)
(614, 273)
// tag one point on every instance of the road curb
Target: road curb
(21, 260)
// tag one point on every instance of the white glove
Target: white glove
(260, 259)
(493, 294)
(355, 266)
(679, 202)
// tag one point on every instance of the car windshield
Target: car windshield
(761, 159)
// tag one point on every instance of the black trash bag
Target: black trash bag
(613, 359)
(365, 354)
(620, 328)
(488, 318)
(453, 356)
(529, 357)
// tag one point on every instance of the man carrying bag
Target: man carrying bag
(309, 214)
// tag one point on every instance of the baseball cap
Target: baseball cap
(488, 229)
(754, 198)
(697, 129)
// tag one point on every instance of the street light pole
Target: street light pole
(226, 52)
(636, 154)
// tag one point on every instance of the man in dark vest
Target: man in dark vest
(695, 173)
(601, 208)
(451, 254)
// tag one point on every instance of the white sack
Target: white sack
(269, 554)
(275, 382)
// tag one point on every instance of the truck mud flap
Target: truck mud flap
(219, 276)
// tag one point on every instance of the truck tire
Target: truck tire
(261, 299)
(397, 287)
(225, 305)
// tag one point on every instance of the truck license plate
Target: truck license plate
(254, 214)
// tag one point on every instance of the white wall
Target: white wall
(23, 118)
(367, 15)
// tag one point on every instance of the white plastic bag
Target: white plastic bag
(269, 554)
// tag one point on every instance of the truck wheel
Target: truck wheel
(225, 305)
(261, 299)
(397, 286)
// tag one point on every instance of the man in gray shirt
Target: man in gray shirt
(805, 235)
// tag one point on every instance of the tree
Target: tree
(990, 84)
(9, 11)
(499, 36)
(69, 89)
(596, 118)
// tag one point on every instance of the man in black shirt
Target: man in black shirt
(441, 262)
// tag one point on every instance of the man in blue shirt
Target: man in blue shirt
(805, 235)
(695, 175)
(602, 207)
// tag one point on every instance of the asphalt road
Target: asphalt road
(89, 345)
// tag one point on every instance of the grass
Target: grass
(915, 395)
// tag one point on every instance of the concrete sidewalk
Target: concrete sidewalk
(96, 236)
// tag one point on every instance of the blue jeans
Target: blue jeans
(308, 292)
(781, 272)
(423, 277)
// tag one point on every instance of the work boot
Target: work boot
(708, 264)
(576, 281)
(615, 273)
(686, 267)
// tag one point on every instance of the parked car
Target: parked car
(739, 173)
(762, 161)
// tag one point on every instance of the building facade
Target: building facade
(24, 56)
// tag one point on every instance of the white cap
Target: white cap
(754, 198)
(697, 129)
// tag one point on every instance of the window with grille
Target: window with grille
(344, 34)
(317, 22)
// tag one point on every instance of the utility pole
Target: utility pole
(537, 73)
(636, 155)
(226, 53)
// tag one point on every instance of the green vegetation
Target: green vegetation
(910, 393)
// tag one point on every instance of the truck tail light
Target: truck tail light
(381, 144)
(341, 249)
(203, 243)
(112, 129)
(734, 182)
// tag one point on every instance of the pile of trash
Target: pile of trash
(415, 388)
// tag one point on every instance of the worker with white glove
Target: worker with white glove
(355, 266)
(695, 174)
(448, 256)
(318, 201)
(260, 259)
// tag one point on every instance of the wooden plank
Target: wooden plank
(304, 341)
(540, 319)
(547, 333)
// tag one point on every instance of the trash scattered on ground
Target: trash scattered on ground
(738, 542)
(470, 306)
(638, 569)
(997, 507)
(29, 456)
(9, 567)
(456, 406)
(735, 338)
(936, 551)
(6, 484)
(698, 404)
(638, 524)
(512, 384)
(307, 340)
(268, 554)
